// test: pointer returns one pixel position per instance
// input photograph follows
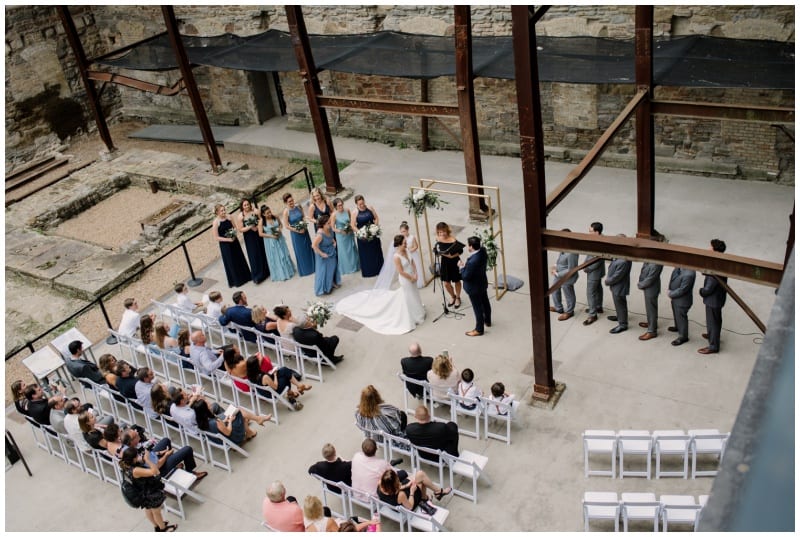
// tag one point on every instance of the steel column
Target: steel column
(531, 141)
(83, 67)
(191, 87)
(308, 73)
(645, 130)
(465, 90)
(789, 240)
(424, 142)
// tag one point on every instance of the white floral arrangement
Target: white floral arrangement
(300, 225)
(488, 242)
(320, 312)
(369, 232)
(250, 220)
(420, 199)
(231, 233)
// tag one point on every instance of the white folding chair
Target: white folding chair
(219, 442)
(39, 435)
(634, 442)
(602, 442)
(435, 402)
(600, 506)
(423, 385)
(706, 442)
(55, 445)
(133, 347)
(392, 512)
(312, 354)
(395, 445)
(678, 509)
(270, 399)
(433, 458)
(467, 406)
(331, 488)
(90, 462)
(246, 338)
(671, 442)
(179, 484)
(702, 500)
(72, 453)
(357, 497)
(174, 431)
(499, 411)
(417, 519)
(640, 506)
(375, 435)
(109, 468)
(470, 465)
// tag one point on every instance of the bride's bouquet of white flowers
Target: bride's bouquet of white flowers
(320, 312)
(420, 199)
(369, 232)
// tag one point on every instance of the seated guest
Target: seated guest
(81, 368)
(38, 405)
(163, 340)
(145, 378)
(130, 318)
(180, 408)
(366, 469)
(410, 493)
(500, 395)
(214, 305)
(182, 299)
(306, 333)
(416, 367)
(466, 388)
(286, 321)
(432, 434)
(236, 427)
(160, 399)
(183, 346)
(375, 415)
(277, 378)
(57, 404)
(126, 381)
(264, 322)
(280, 514)
(203, 357)
(442, 377)
(18, 393)
(73, 410)
(332, 468)
(92, 431)
(108, 365)
(239, 313)
(165, 457)
(315, 518)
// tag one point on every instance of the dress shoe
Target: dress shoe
(473, 333)
(336, 359)
(704, 335)
(600, 310)
(589, 320)
(707, 350)
(679, 341)
(612, 318)
(672, 328)
(617, 329)
(643, 324)
(554, 310)
(646, 336)
(565, 316)
(395, 462)
(487, 323)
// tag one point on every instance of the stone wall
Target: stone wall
(39, 64)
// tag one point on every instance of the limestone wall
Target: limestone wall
(42, 84)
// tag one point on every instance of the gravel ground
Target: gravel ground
(118, 217)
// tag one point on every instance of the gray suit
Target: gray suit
(618, 280)
(594, 288)
(714, 298)
(564, 264)
(650, 283)
(681, 283)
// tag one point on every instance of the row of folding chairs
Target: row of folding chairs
(351, 499)
(101, 465)
(669, 509)
(443, 468)
(480, 411)
(667, 443)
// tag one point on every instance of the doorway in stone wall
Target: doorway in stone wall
(267, 94)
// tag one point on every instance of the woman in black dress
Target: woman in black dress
(236, 269)
(319, 205)
(370, 252)
(140, 473)
(247, 225)
(448, 248)
(410, 493)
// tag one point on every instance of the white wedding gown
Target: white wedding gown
(386, 311)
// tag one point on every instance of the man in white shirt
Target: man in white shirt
(204, 359)
(144, 385)
(181, 408)
(130, 318)
(366, 469)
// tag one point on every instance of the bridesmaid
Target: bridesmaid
(345, 239)
(369, 252)
(319, 205)
(278, 257)
(236, 269)
(292, 215)
(412, 248)
(327, 277)
(247, 225)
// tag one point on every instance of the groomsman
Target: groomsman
(714, 298)
(594, 279)
(565, 262)
(681, 283)
(650, 283)
(618, 280)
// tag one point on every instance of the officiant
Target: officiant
(449, 249)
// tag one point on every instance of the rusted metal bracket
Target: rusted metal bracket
(134, 83)
(570, 272)
(539, 13)
(393, 107)
(768, 114)
(449, 131)
(742, 304)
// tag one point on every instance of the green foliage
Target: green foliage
(315, 169)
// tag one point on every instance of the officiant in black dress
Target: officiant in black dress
(448, 249)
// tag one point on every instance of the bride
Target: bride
(387, 311)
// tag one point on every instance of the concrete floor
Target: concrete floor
(613, 381)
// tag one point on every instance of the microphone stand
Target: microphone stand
(446, 312)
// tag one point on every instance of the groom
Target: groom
(473, 273)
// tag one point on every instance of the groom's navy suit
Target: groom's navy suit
(473, 274)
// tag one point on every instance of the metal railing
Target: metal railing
(192, 282)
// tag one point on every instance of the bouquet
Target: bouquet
(251, 220)
(320, 312)
(231, 233)
(420, 199)
(300, 225)
(346, 229)
(369, 232)
(488, 242)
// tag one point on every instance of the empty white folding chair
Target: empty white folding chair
(90, 462)
(38, 434)
(55, 445)
(467, 406)
(359, 498)
(702, 500)
(423, 385)
(678, 509)
(226, 394)
(498, 411)
(109, 468)
(640, 506)
(706, 442)
(179, 484)
(329, 488)
(315, 358)
(219, 442)
(634, 442)
(600, 506)
(421, 521)
(599, 442)
(71, 452)
(671, 442)
(471, 466)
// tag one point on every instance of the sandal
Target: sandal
(452, 302)
(264, 418)
(457, 302)
(292, 395)
(304, 388)
(246, 438)
(167, 527)
(441, 494)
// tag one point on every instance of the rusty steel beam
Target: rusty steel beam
(449, 131)
(742, 304)
(645, 125)
(134, 83)
(739, 112)
(465, 90)
(531, 142)
(191, 87)
(539, 14)
(747, 269)
(790, 239)
(308, 74)
(572, 271)
(579, 172)
(392, 107)
(83, 67)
